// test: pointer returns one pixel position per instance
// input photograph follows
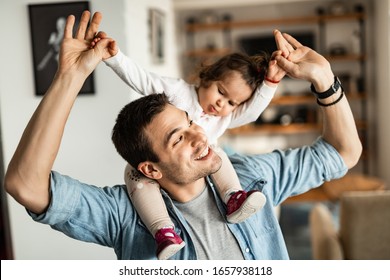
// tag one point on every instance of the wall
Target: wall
(86, 152)
(382, 82)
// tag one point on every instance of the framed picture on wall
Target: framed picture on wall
(157, 35)
(47, 23)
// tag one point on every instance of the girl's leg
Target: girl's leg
(147, 200)
(240, 204)
(226, 177)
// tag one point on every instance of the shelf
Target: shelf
(361, 125)
(196, 27)
(293, 100)
(300, 105)
(308, 99)
(208, 52)
(356, 96)
(224, 51)
(294, 128)
(346, 17)
(333, 190)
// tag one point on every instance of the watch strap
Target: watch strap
(332, 90)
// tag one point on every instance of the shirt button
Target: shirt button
(247, 250)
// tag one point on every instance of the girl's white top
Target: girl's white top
(183, 95)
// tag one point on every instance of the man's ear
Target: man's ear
(149, 170)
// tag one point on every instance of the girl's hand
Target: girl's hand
(274, 73)
(110, 50)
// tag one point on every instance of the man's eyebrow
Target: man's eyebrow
(172, 132)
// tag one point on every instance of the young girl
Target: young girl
(232, 92)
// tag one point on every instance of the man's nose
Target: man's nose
(196, 137)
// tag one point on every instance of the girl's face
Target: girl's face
(223, 96)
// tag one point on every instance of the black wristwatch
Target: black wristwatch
(332, 90)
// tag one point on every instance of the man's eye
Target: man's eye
(220, 92)
(232, 103)
(178, 141)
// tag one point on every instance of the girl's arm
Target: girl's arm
(144, 82)
(250, 110)
(140, 80)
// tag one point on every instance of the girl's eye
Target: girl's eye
(220, 92)
(231, 103)
(191, 121)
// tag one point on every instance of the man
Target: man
(179, 158)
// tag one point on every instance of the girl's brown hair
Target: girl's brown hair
(252, 69)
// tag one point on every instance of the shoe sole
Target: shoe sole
(251, 205)
(170, 250)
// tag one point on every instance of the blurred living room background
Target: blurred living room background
(174, 38)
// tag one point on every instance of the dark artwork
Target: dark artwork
(47, 22)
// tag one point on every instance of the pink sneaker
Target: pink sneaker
(168, 243)
(241, 205)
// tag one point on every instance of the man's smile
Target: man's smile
(204, 154)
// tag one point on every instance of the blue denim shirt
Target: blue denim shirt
(106, 216)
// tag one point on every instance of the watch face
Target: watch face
(336, 84)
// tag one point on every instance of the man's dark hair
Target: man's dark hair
(128, 133)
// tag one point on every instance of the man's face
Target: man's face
(182, 147)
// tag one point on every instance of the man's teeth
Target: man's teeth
(205, 152)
